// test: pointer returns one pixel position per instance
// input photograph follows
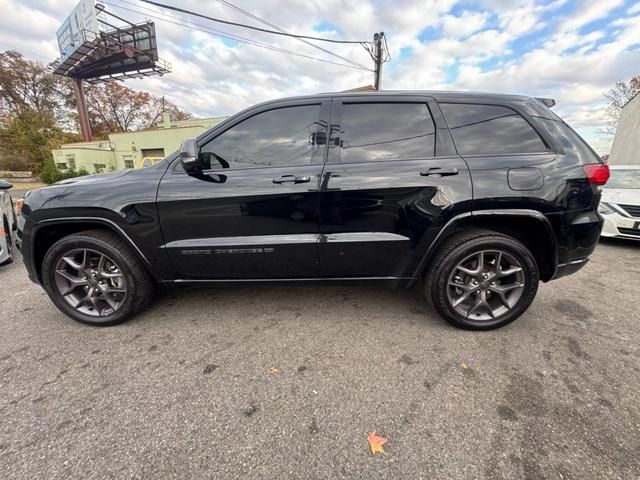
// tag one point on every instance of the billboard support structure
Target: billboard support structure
(83, 112)
(118, 53)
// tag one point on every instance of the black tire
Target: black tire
(465, 245)
(8, 241)
(139, 285)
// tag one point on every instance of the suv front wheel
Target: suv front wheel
(95, 278)
(482, 280)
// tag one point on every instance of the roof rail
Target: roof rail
(548, 102)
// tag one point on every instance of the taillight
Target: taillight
(597, 173)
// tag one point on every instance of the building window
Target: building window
(152, 152)
(61, 166)
(128, 161)
(99, 167)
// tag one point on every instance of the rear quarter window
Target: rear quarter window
(572, 143)
(490, 130)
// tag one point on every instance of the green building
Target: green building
(131, 149)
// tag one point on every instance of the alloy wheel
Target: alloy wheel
(486, 285)
(90, 282)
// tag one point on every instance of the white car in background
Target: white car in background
(620, 204)
(7, 223)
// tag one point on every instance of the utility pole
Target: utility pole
(377, 45)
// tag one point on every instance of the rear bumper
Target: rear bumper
(565, 269)
(577, 235)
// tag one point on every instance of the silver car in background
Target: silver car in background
(620, 204)
(7, 223)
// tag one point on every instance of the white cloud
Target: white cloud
(476, 48)
(587, 11)
(463, 25)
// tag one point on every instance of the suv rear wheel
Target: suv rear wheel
(482, 280)
(95, 278)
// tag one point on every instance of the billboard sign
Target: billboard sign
(70, 35)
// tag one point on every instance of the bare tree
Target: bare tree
(618, 98)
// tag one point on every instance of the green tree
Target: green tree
(50, 173)
(31, 136)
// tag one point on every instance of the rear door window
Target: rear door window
(490, 130)
(372, 132)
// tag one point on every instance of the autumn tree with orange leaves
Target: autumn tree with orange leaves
(114, 107)
(38, 111)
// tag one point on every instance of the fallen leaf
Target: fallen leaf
(464, 365)
(273, 370)
(376, 442)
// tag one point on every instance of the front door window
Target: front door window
(279, 137)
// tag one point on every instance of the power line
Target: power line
(235, 24)
(265, 22)
(229, 36)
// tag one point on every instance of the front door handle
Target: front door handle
(292, 179)
(437, 171)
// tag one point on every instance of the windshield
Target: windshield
(624, 179)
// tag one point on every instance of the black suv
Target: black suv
(480, 196)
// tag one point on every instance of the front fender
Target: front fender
(144, 237)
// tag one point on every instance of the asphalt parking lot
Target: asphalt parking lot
(279, 382)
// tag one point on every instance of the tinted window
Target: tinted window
(276, 137)
(488, 129)
(572, 143)
(384, 131)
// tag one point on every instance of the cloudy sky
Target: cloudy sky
(570, 50)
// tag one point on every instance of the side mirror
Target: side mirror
(4, 185)
(189, 155)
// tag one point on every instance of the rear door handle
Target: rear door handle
(437, 171)
(292, 179)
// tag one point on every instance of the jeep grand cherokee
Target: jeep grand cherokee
(478, 196)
